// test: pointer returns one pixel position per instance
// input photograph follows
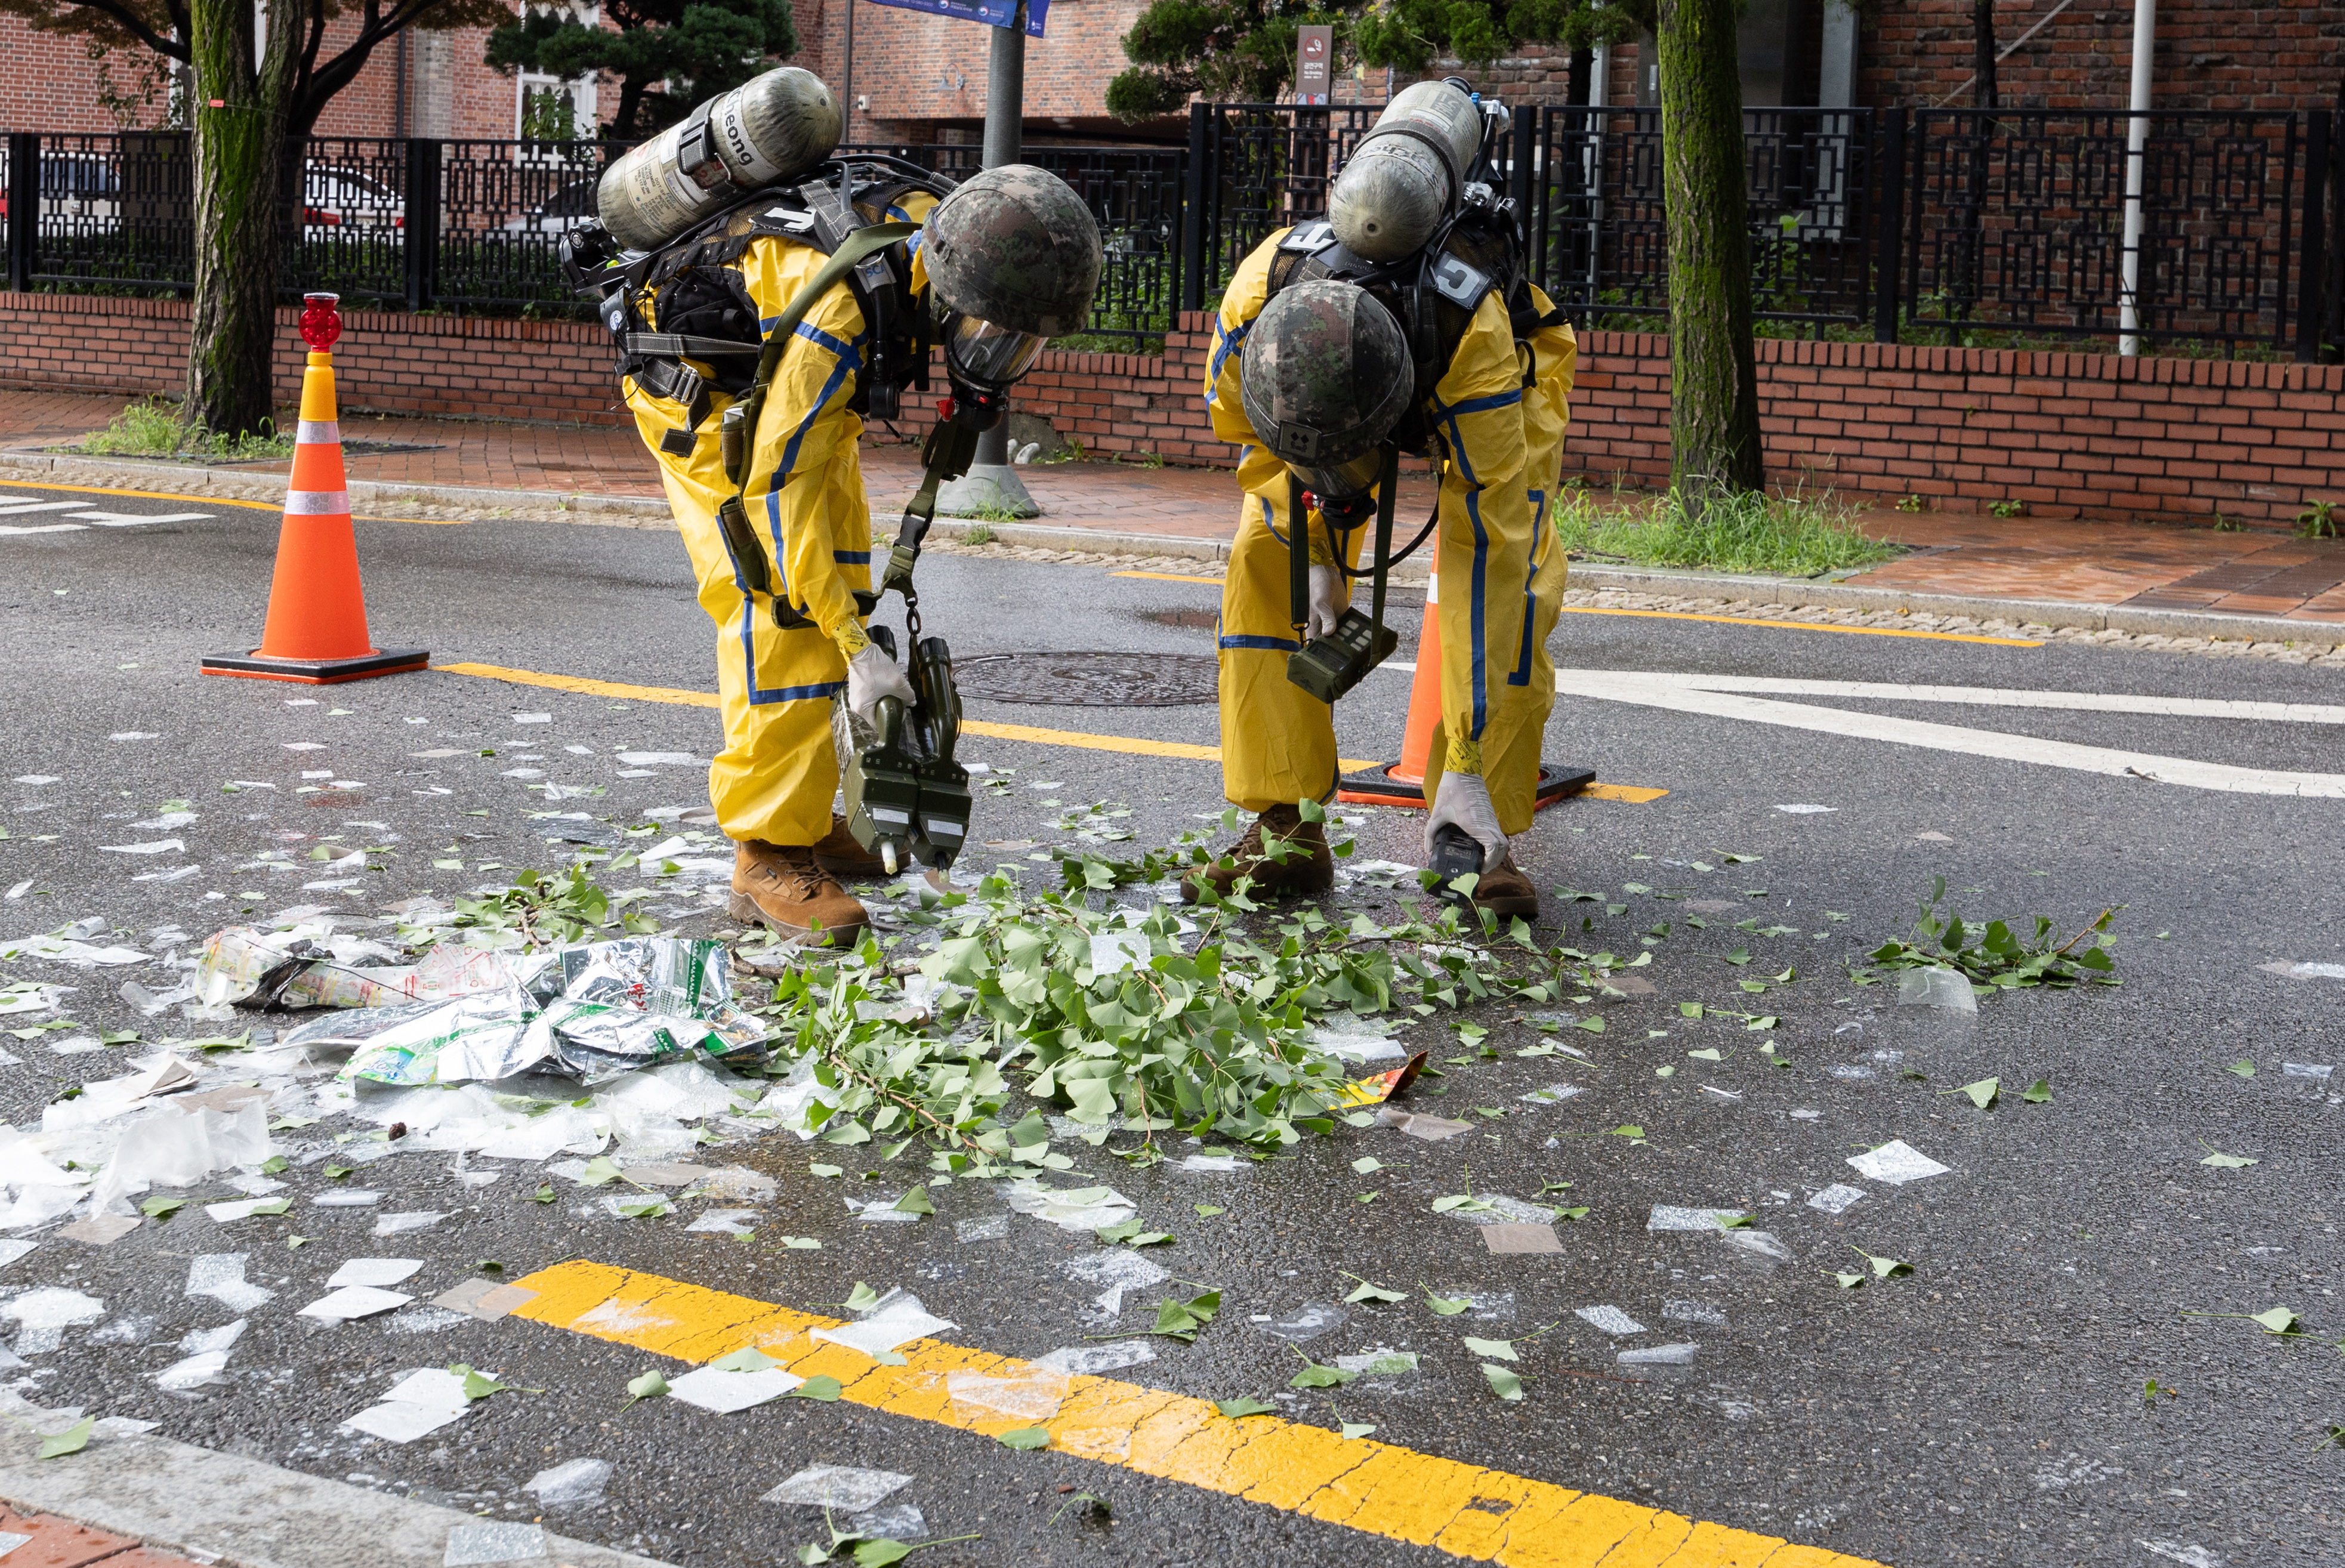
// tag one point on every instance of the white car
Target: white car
(564, 209)
(334, 201)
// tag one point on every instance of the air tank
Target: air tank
(779, 126)
(1405, 176)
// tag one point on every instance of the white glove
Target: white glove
(1327, 601)
(1463, 800)
(871, 675)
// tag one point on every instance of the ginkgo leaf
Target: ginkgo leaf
(73, 1440)
(1352, 1429)
(1497, 1349)
(1317, 1376)
(1448, 1306)
(1505, 1384)
(822, 1386)
(1240, 1408)
(2037, 1092)
(1367, 1291)
(2279, 1321)
(915, 1201)
(1849, 1281)
(1026, 1439)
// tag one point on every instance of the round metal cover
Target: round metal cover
(1091, 680)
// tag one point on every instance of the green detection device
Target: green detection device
(1329, 666)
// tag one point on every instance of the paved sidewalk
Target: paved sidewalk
(2135, 567)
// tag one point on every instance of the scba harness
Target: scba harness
(686, 301)
(1434, 294)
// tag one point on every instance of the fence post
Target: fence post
(420, 237)
(1193, 221)
(24, 207)
(2312, 266)
(1888, 225)
(1519, 182)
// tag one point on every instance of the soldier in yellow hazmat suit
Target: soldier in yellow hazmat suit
(1015, 257)
(1496, 419)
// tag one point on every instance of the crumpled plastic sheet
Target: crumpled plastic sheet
(592, 1012)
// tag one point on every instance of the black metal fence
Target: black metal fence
(1962, 225)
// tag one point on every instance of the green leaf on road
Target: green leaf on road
(1239, 1408)
(650, 1386)
(2037, 1092)
(915, 1201)
(1208, 1210)
(1884, 1267)
(600, 1171)
(824, 1171)
(1314, 1376)
(1628, 1131)
(1367, 1291)
(1849, 1281)
(1507, 1385)
(1981, 1093)
(1352, 1429)
(2216, 1157)
(161, 1209)
(1363, 1166)
(1708, 1054)
(1690, 1009)
(2279, 1321)
(1181, 1319)
(2245, 1069)
(1448, 1306)
(1026, 1439)
(1593, 1025)
(73, 1440)
(1497, 1349)
(822, 1387)
(544, 1194)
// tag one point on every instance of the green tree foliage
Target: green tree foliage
(1244, 49)
(667, 55)
(164, 27)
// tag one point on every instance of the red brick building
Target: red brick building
(919, 77)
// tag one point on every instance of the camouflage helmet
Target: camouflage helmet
(1326, 374)
(1015, 247)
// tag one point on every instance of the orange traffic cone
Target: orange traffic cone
(316, 631)
(1403, 783)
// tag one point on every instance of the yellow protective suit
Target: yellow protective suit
(778, 772)
(1511, 745)
(1278, 742)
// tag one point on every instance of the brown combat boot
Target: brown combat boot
(781, 887)
(837, 853)
(1307, 867)
(1506, 892)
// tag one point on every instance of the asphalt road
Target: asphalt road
(1987, 1409)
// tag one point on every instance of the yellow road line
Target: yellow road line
(1812, 626)
(1377, 1489)
(669, 694)
(1168, 577)
(1130, 745)
(276, 506)
(1633, 793)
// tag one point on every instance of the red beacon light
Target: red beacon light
(321, 320)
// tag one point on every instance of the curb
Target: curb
(1790, 593)
(223, 1509)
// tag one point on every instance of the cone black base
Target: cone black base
(1377, 786)
(317, 672)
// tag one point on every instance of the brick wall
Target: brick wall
(2211, 55)
(385, 363)
(2068, 434)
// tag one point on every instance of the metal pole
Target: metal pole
(846, 92)
(991, 484)
(2312, 263)
(2144, 44)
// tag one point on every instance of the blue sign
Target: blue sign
(992, 12)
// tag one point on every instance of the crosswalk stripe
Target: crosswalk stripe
(1376, 1488)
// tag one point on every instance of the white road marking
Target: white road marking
(1996, 697)
(49, 528)
(13, 508)
(1719, 696)
(135, 519)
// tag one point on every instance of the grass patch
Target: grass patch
(1780, 535)
(155, 428)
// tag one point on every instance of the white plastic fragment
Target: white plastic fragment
(572, 1480)
(1611, 1320)
(716, 1389)
(1307, 1322)
(1034, 1397)
(1764, 1242)
(10, 1250)
(1379, 1362)
(353, 1301)
(1554, 1094)
(1086, 1360)
(347, 1198)
(1896, 1162)
(898, 1321)
(984, 1227)
(199, 1340)
(2305, 1070)
(1658, 1356)
(1835, 1199)
(1706, 1313)
(393, 1224)
(220, 1276)
(379, 1272)
(1946, 988)
(726, 1221)
(1072, 1207)
(479, 1545)
(1805, 810)
(47, 1313)
(836, 1486)
(194, 1372)
(1669, 1216)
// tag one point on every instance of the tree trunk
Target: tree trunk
(1713, 363)
(239, 188)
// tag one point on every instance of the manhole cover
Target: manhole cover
(1091, 680)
